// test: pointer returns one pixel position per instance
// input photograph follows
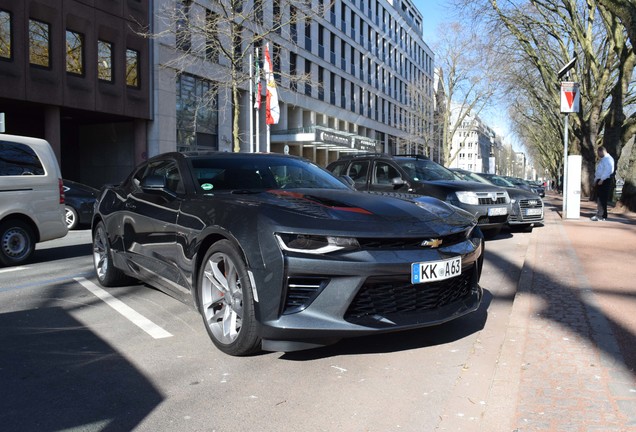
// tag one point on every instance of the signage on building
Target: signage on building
(570, 97)
(333, 138)
(365, 144)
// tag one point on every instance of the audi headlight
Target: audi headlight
(315, 244)
(467, 198)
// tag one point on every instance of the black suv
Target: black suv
(419, 175)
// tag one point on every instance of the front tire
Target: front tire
(17, 242)
(107, 274)
(226, 302)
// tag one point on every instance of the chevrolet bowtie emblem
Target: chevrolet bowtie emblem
(432, 243)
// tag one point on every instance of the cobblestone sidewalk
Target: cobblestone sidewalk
(572, 376)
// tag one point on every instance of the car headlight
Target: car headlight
(315, 244)
(513, 200)
(467, 198)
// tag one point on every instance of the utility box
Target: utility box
(573, 199)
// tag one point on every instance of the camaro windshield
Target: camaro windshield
(227, 174)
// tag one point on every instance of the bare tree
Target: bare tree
(417, 123)
(464, 72)
(221, 38)
(625, 11)
(547, 33)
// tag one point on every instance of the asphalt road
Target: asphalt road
(74, 356)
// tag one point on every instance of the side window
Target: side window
(169, 171)
(19, 159)
(338, 169)
(383, 173)
(358, 172)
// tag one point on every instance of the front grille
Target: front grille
(525, 205)
(301, 291)
(386, 296)
(487, 200)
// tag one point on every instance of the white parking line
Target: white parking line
(135, 317)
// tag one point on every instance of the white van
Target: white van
(31, 197)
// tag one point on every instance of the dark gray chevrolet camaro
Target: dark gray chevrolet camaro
(279, 255)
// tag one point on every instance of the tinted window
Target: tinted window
(337, 169)
(166, 169)
(358, 172)
(219, 173)
(18, 159)
(425, 170)
(384, 173)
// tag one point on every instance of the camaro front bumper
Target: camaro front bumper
(365, 292)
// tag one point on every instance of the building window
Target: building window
(132, 68)
(104, 60)
(5, 34)
(258, 11)
(182, 23)
(74, 52)
(197, 121)
(211, 25)
(39, 43)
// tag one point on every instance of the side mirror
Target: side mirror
(398, 182)
(153, 183)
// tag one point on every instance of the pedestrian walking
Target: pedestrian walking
(603, 183)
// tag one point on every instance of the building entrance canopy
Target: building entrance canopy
(323, 137)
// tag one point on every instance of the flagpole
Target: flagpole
(258, 112)
(250, 104)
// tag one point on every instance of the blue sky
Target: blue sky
(433, 12)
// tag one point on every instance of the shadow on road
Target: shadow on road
(402, 340)
(55, 374)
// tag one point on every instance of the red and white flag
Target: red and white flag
(272, 110)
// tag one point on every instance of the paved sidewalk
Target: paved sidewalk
(568, 360)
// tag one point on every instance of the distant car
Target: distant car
(524, 184)
(31, 197)
(79, 200)
(527, 207)
(279, 255)
(416, 174)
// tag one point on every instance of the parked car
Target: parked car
(420, 175)
(524, 184)
(526, 208)
(79, 200)
(31, 197)
(279, 255)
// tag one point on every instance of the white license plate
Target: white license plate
(436, 270)
(534, 211)
(497, 211)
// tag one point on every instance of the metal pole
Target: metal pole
(565, 167)
(258, 112)
(251, 104)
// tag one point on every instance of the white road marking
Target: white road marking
(127, 312)
(10, 269)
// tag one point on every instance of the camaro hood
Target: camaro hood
(359, 212)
